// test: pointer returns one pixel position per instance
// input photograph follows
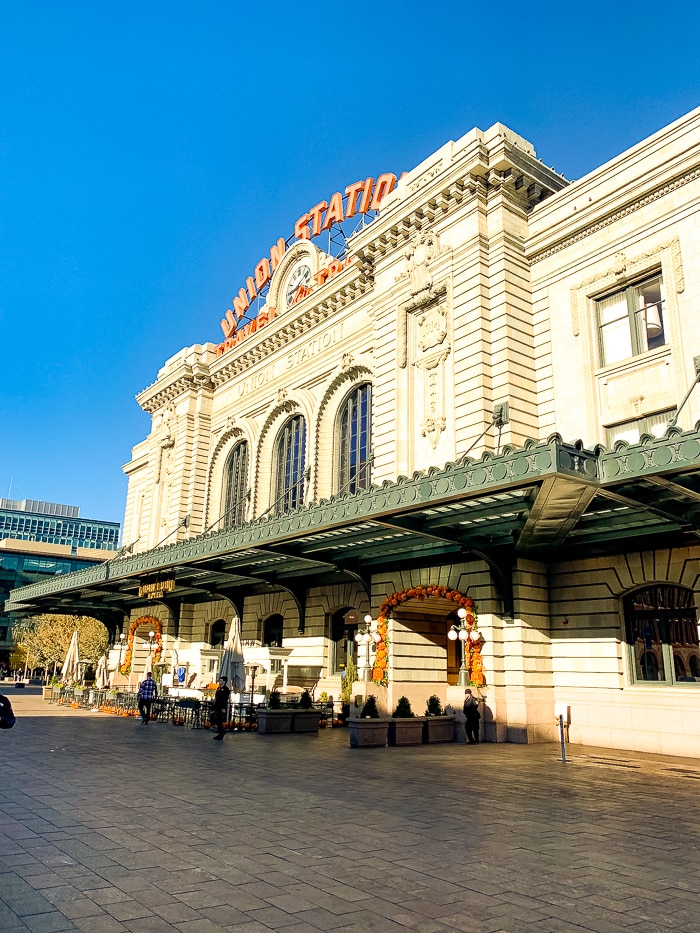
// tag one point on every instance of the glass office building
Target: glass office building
(53, 523)
(44, 539)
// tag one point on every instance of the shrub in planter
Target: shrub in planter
(274, 701)
(403, 709)
(405, 728)
(438, 726)
(305, 701)
(369, 730)
(369, 710)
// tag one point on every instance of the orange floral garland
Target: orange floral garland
(380, 669)
(155, 626)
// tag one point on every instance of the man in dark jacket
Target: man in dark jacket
(220, 713)
(472, 714)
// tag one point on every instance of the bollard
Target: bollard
(561, 738)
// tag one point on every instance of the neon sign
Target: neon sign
(359, 198)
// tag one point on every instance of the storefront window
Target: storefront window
(662, 635)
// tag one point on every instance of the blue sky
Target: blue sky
(150, 153)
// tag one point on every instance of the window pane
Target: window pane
(648, 650)
(235, 486)
(649, 303)
(354, 441)
(656, 424)
(613, 308)
(617, 341)
(291, 463)
(628, 431)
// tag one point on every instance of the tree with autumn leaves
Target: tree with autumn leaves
(44, 639)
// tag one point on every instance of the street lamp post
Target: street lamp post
(120, 645)
(461, 632)
(253, 672)
(367, 636)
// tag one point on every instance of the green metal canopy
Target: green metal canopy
(541, 500)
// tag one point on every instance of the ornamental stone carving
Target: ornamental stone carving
(421, 250)
(432, 328)
(164, 436)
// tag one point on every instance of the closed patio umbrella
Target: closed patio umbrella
(71, 663)
(101, 674)
(232, 658)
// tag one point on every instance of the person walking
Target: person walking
(148, 691)
(472, 714)
(220, 712)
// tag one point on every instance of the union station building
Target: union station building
(455, 403)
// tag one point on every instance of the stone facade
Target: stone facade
(480, 306)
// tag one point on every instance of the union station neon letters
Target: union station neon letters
(360, 197)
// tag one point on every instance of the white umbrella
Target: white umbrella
(101, 674)
(71, 662)
(232, 658)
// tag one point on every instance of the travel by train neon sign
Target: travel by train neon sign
(362, 197)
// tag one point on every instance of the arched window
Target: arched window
(662, 634)
(235, 486)
(355, 440)
(273, 631)
(344, 625)
(217, 634)
(290, 465)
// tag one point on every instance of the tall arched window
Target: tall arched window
(235, 486)
(355, 440)
(290, 465)
(662, 634)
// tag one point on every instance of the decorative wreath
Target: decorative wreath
(380, 669)
(155, 626)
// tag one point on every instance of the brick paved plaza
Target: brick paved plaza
(106, 825)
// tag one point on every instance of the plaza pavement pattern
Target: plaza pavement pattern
(107, 826)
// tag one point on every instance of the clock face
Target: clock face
(297, 284)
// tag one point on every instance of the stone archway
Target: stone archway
(433, 600)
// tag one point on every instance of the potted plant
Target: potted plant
(438, 727)
(369, 730)
(305, 718)
(405, 727)
(274, 719)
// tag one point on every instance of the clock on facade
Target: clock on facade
(298, 283)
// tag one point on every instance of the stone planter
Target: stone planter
(306, 721)
(408, 731)
(368, 733)
(274, 721)
(438, 729)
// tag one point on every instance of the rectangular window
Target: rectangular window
(631, 431)
(631, 321)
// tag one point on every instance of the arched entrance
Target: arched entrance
(421, 651)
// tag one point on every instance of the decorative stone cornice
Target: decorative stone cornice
(613, 216)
